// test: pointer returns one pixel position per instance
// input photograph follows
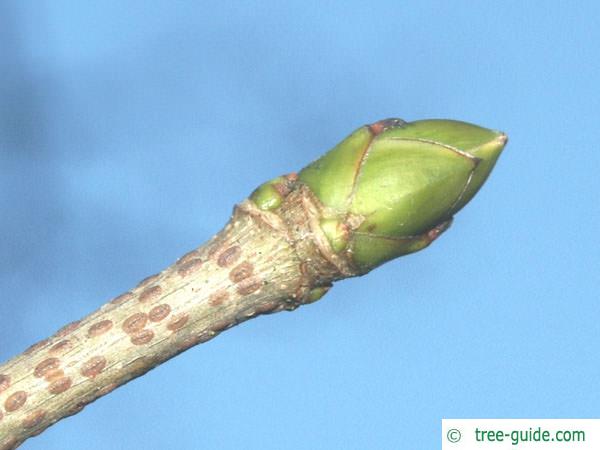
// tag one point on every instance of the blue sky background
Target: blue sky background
(129, 129)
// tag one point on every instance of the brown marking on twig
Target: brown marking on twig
(150, 294)
(93, 366)
(100, 328)
(159, 312)
(135, 322)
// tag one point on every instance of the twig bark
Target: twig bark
(261, 262)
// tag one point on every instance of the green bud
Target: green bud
(404, 180)
(316, 293)
(336, 232)
(269, 195)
